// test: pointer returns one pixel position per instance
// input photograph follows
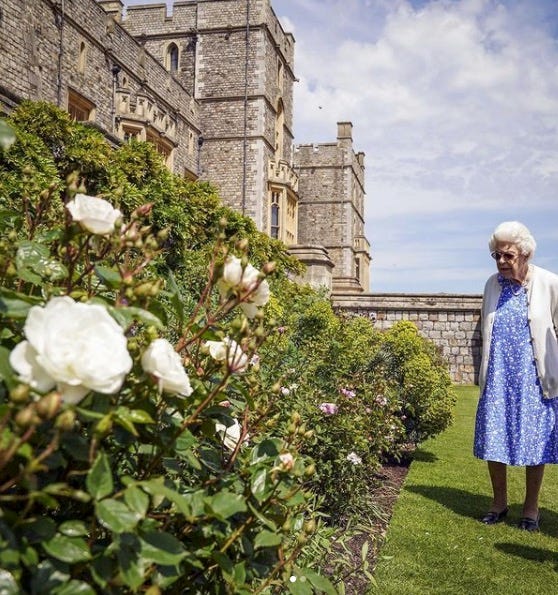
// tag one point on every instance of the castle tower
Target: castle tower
(331, 207)
(237, 62)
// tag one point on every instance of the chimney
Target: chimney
(344, 130)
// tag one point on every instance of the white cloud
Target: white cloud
(455, 104)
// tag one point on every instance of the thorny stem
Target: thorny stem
(189, 421)
(204, 295)
(8, 454)
(48, 450)
(278, 568)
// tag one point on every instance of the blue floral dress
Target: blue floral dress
(515, 424)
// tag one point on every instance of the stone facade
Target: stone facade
(331, 207)
(74, 55)
(450, 321)
(211, 85)
(238, 63)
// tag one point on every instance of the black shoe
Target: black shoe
(528, 524)
(491, 518)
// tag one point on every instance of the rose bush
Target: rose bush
(211, 468)
(113, 478)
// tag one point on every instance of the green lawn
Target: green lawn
(435, 543)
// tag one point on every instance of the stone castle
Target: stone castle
(211, 86)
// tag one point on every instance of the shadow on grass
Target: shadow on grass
(472, 505)
(534, 554)
(424, 456)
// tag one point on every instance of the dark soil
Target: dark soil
(387, 485)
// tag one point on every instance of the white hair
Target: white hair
(515, 233)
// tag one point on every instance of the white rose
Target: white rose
(161, 360)
(23, 359)
(73, 346)
(230, 351)
(250, 278)
(232, 271)
(230, 435)
(248, 281)
(94, 214)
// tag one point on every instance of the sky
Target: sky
(455, 105)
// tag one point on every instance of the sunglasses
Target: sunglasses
(507, 256)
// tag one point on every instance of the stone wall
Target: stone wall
(451, 321)
(40, 48)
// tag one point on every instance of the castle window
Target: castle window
(275, 215)
(80, 108)
(171, 59)
(131, 133)
(283, 215)
(82, 57)
(357, 265)
(163, 147)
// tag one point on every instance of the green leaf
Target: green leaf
(175, 298)
(63, 489)
(74, 588)
(137, 500)
(73, 529)
(258, 485)
(33, 263)
(162, 548)
(116, 516)
(266, 449)
(225, 563)
(38, 530)
(132, 566)
(263, 519)
(6, 372)
(110, 277)
(300, 586)
(182, 501)
(240, 573)
(267, 539)
(8, 584)
(49, 575)
(320, 582)
(126, 315)
(224, 504)
(185, 441)
(15, 305)
(99, 479)
(67, 549)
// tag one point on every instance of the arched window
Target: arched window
(172, 57)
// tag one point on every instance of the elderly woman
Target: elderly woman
(517, 413)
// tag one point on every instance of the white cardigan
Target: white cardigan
(542, 315)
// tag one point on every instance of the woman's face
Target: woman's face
(511, 264)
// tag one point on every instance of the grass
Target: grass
(435, 543)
